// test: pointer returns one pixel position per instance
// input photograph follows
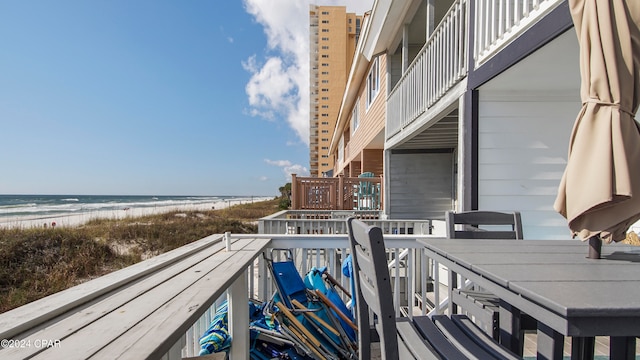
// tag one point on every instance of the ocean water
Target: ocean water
(52, 205)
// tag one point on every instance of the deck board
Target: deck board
(25, 317)
(172, 320)
(145, 317)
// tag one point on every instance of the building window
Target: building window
(325, 64)
(325, 47)
(325, 39)
(325, 56)
(325, 115)
(355, 117)
(325, 81)
(325, 131)
(325, 21)
(325, 148)
(325, 30)
(325, 73)
(325, 106)
(373, 82)
(325, 13)
(325, 98)
(325, 90)
(325, 140)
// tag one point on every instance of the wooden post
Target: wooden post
(239, 318)
(340, 200)
(295, 197)
(595, 247)
(550, 343)
(227, 240)
(380, 195)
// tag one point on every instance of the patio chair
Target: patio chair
(398, 337)
(421, 337)
(484, 225)
(368, 193)
(483, 305)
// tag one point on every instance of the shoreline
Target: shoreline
(77, 219)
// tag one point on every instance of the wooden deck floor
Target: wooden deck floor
(601, 351)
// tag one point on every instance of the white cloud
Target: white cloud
(280, 85)
(263, 178)
(289, 168)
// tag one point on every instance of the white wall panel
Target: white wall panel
(523, 142)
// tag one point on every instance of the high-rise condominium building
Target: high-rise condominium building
(333, 38)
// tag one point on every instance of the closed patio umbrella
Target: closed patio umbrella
(599, 193)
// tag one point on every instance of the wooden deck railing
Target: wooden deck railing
(337, 193)
(161, 307)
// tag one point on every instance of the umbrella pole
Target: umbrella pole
(595, 247)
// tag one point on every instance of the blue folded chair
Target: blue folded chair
(301, 300)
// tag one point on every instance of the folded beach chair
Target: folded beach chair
(307, 313)
(320, 280)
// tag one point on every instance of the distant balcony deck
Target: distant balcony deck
(337, 193)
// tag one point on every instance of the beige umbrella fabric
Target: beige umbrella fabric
(599, 193)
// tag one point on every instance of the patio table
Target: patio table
(554, 282)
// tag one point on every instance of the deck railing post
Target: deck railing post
(340, 200)
(239, 318)
(295, 197)
(175, 353)
(227, 240)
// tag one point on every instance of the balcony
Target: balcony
(338, 193)
(443, 62)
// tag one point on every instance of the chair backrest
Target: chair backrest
(471, 222)
(373, 288)
(366, 187)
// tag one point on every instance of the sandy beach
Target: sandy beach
(76, 219)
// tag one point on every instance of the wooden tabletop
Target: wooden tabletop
(554, 281)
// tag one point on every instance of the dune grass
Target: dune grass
(38, 262)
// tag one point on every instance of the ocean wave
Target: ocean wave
(46, 205)
(12, 206)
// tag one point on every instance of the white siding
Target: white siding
(523, 143)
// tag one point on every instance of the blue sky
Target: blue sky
(197, 97)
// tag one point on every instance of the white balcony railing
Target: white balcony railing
(440, 65)
(498, 22)
(411, 274)
(333, 222)
(442, 62)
